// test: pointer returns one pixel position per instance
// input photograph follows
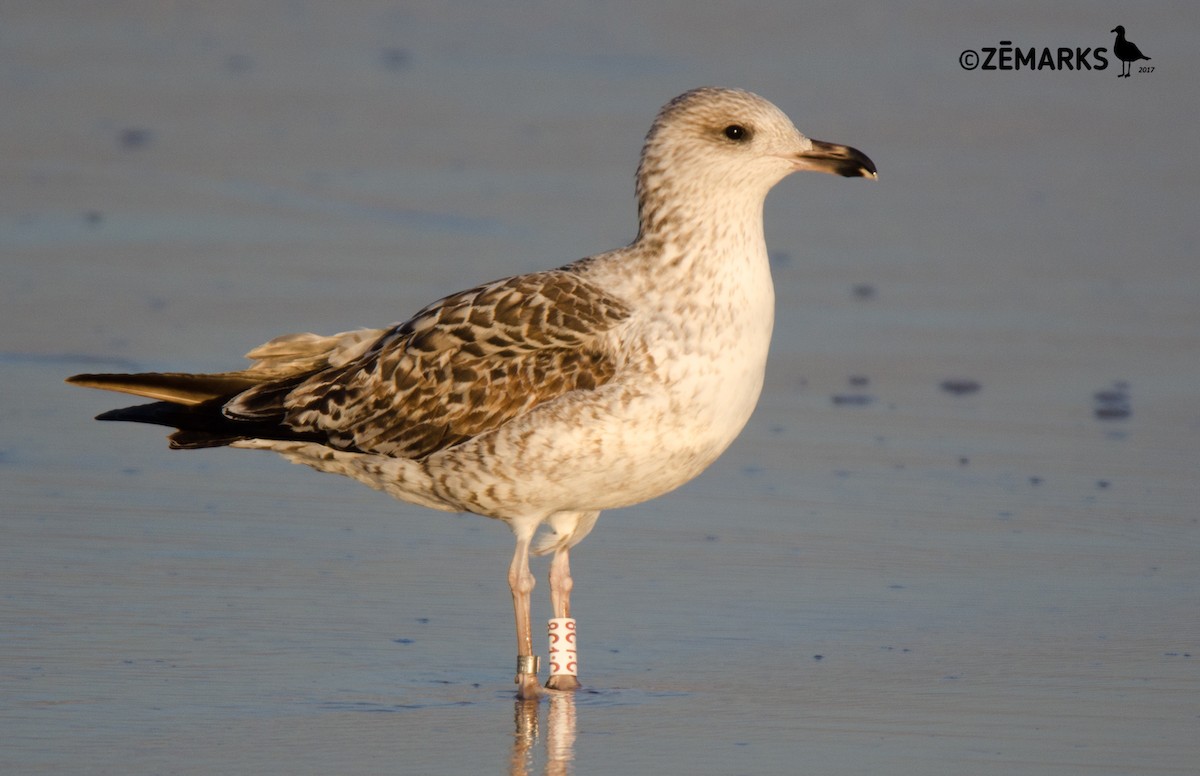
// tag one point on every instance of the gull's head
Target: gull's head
(732, 144)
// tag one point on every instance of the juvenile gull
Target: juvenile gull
(543, 399)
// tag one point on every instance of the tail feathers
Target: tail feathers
(175, 387)
(191, 404)
(195, 405)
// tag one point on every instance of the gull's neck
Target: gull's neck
(703, 229)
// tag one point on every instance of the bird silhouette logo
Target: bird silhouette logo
(1125, 51)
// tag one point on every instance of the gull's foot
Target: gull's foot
(563, 682)
(528, 688)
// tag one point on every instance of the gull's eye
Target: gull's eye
(737, 133)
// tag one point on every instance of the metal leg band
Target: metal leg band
(527, 664)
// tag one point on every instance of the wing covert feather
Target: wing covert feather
(459, 368)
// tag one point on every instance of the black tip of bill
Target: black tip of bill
(838, 160)
(858, 165)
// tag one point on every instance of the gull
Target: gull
(543, 399)
(1126, 51)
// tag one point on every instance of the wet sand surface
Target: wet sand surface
(960, 534)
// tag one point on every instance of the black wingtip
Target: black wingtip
(159, 413)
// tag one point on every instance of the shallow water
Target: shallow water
(959, 535)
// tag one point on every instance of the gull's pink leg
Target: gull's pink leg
(521, 582)
(561, 583)
(560, 596)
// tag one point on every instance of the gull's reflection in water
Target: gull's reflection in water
(560, 734)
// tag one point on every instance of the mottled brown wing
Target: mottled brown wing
(459, 368)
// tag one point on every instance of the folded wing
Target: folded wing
(459, 368)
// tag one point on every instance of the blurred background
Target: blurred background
(959, 535)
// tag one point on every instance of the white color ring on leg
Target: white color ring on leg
(563, 659)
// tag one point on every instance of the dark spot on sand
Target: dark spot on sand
(863, 291)
(1112, 403)
(859, 381)
(134, 138)
(960, 386)
(852, 399)
(395, 58)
